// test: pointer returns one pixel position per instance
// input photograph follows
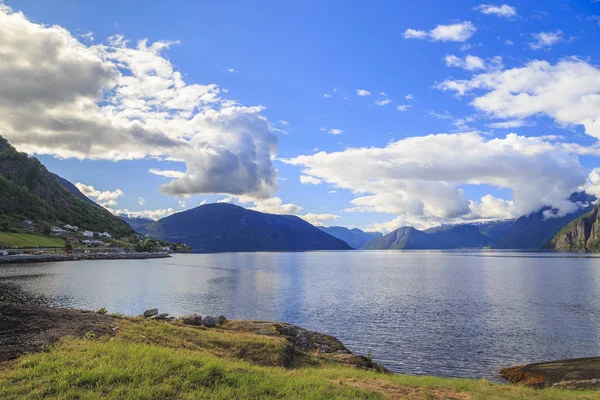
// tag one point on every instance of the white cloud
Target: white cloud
(203, 202)
(105, 198)
(383, 102)
(545, 39)
(182, 203)
(513, 123)
(568, 92)
(151, 214)
(326, 95)
(284, 122)
(458, 32)
(470, 63)
(403, 107)
(141, 201)
(319, 219)
(509, 42)
(414, 34)
(332, 192)
(232, 70)
(362, 92)
(227, 200)
(115, 101)
(422, 177)
(167, 173)
(275, 205)
(409, 97)
(304, 179)
(336, 131)
(504, 11)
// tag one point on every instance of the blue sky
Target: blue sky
(308, 62)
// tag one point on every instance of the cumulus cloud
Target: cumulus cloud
(458, 32)
(403, 107)
(151, 214)
(545, 39)
(304, 179)
(568, 92)
(167, 173)
(363, 92)
(141, 201)
(383, 102)
(105, 198)
(513, 123)
(421, 177)
(319, 219)
(503, 11)
(469, 63)
(336, 131)
(118, 101)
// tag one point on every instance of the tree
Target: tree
(46, 229)
(68, 246)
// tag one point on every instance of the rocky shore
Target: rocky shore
(30, 328)
(30, 258)
(576, 373)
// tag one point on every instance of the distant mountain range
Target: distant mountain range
(139, 224)
(225, 227)
(356, 238)
(28, 190)
(475, 235)
(535, 230)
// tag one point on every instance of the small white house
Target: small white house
(88, 233)
(57, 231)
(106, 235)
(71, 227)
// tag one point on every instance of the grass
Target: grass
(25, 240)
(155, 360)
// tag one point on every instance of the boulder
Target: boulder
(191, 319)
(150, 313)
(221, 320)
(209, 321)
(161, 316)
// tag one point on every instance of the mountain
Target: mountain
(354, 237)
(535, 230)
(222, 227)
(473, 235)
(28, 190)
(73, 189)
(581, 234)
(139, 224)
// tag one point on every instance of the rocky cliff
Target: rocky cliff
(581, 234)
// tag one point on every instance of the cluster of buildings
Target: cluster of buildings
(69, 229)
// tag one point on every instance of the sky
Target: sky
(373, 115)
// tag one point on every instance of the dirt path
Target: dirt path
(27, 328)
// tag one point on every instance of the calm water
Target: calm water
(462, 314)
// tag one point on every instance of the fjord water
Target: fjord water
(452, 313)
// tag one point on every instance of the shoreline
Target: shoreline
(45, 258)
(42, 345)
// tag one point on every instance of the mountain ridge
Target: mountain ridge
(222, 227)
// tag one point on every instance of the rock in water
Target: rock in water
(151, 312)
(191, 319)
(209, 321)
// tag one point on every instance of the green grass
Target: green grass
(21, 240)
(154, 360)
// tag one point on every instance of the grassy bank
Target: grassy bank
(27, 240)
(158, 360)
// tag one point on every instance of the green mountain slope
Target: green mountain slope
(28, 190)
(581, 234)
(221, 227)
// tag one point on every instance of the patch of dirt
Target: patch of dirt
(26, 328)
(391, 391)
